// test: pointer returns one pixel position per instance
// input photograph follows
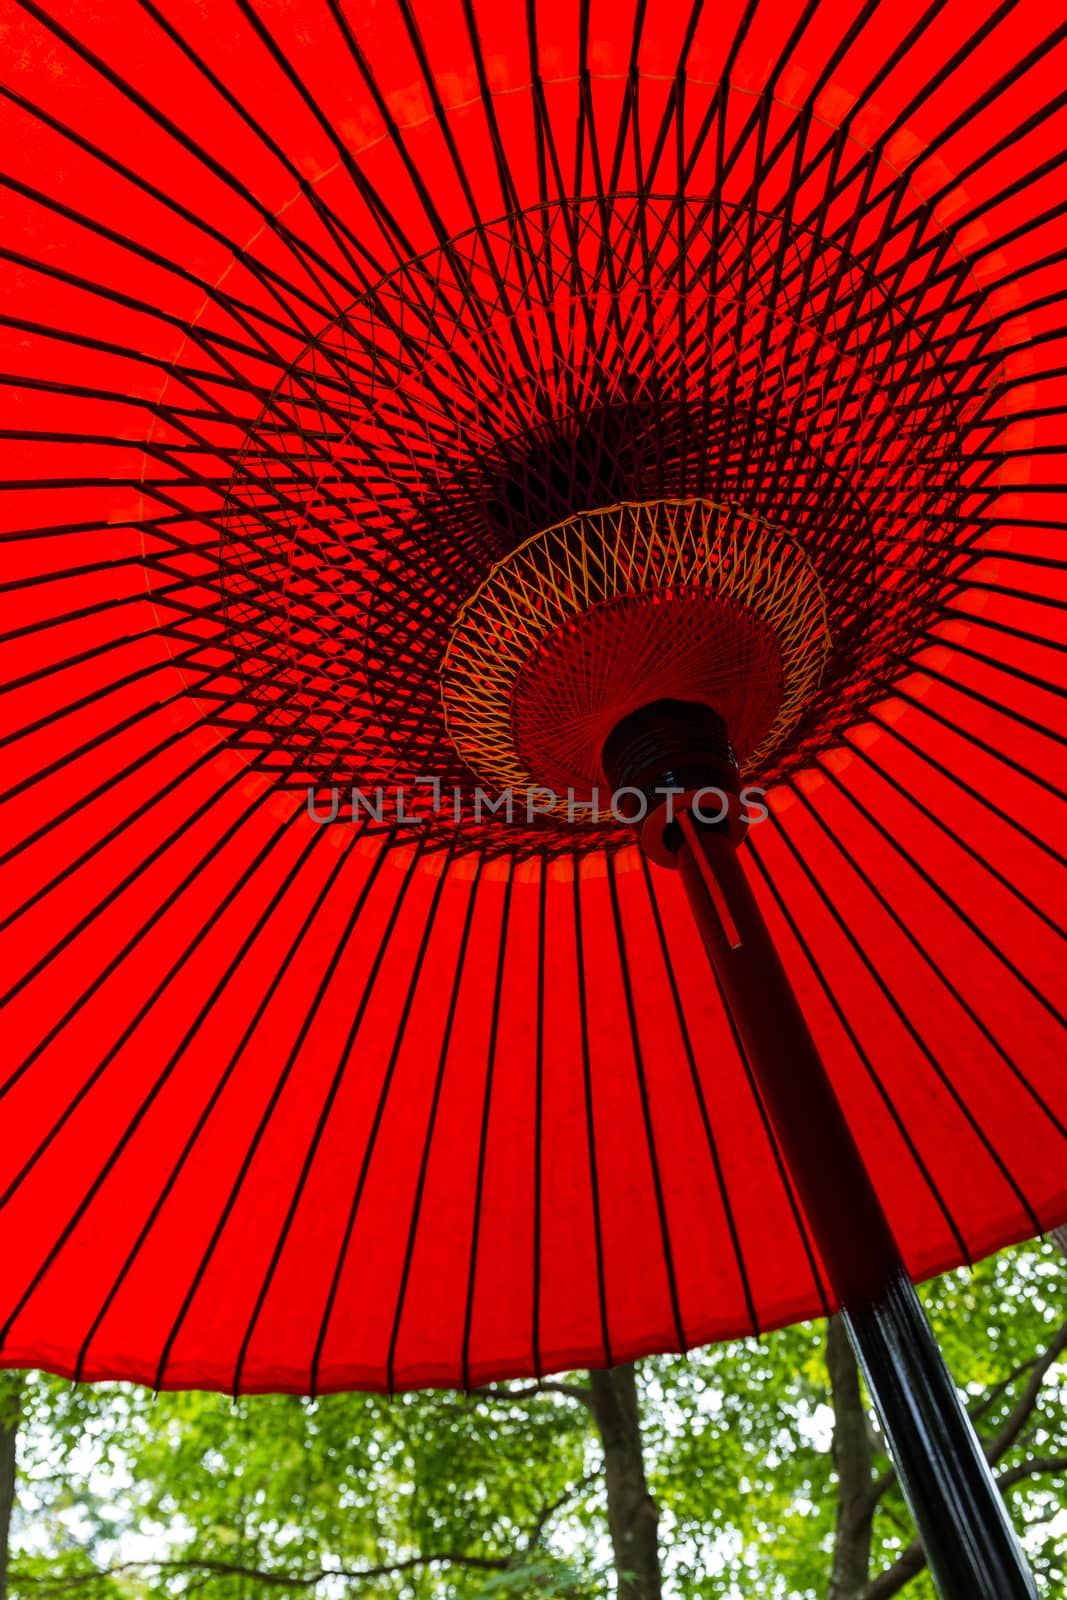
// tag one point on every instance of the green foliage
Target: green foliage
(288, 1488)
(126, 1496)
(739, 1438)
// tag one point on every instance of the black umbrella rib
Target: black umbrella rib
(1033, 679)
(98, 608)
(275, 284)
(646, 1110)
(266, 916)
(924, 669)
(191, 146)
(539, 1118)
(98, 1071)
(323, 1119)
(1011, 191)
(981, 795)
(1025, 558)
(509, 190)
(107, 900)
(205, 339)
(906, 1022)
(861, 1054)
(86, 569)
(113, 731)
(374, 201)
(968, 584)
(82, 391)
(101, 978)
(931, 88)
(242, 312)
(948, 900)
(385, 219)
(190, 377)
(314, 386)
(517, 379)
(94, 696)
(100, 841)
(541, 133)
(517, 217)
(431, 1122)
(928, 957)
(130, 1127)
(829, 65)
(344, 237)
(979, 857)
(344, 858)
(483, 1135)
(187, 478)
(996, 751)
(590, 1116)
(106, 786)
(628, 117)
(955, 613)
(379, 1112)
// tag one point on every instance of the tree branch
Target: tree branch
(983, 1403)
(210, 1567)
(281, 1580)
(998, 1447)
(1039, 1467)
(912, 1560)
(548, 1512)
(892, 1580)
(573, 1391)
(1038, 1367)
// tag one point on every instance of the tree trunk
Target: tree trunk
(632, 1512)
(9, 1427)
(850, 1571)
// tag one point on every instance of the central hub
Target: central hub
(611, 610)
(667, 644)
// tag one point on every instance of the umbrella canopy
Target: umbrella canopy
(342, 346)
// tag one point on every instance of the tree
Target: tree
(754, 1467)
(10, 1405)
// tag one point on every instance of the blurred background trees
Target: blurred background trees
(750, 1469)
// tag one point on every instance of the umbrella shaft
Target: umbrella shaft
(958, 1510)
(962, 1521)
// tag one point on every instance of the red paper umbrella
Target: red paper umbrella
(434, 431)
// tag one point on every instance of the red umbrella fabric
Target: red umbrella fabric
(313, 315)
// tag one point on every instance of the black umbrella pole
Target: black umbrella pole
(961, 1518)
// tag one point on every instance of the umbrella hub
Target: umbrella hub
(408, 563)
(620, 607)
